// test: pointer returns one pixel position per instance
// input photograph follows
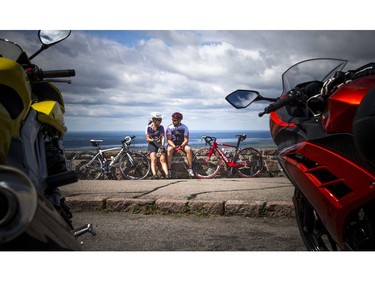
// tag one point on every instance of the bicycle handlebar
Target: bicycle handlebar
(208, 139)
(127, 140)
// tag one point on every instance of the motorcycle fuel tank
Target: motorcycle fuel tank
(342, 105)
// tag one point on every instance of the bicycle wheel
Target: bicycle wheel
(78, 159)
(204, 167)
(250, 161)
(134, 166)
(87, 166)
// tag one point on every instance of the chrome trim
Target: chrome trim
(18, 202)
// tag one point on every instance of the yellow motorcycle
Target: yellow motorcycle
(33, 214)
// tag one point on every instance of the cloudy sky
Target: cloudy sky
(167, 56)
(122, 76)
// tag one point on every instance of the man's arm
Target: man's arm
(170, 142)
(186, 141)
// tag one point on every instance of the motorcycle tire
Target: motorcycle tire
(315, 236)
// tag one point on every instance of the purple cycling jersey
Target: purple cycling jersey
(155, 134)
(177, 133)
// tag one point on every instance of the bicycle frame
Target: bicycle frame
(114, 159)
(230, 163)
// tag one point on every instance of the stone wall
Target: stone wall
(271, 167)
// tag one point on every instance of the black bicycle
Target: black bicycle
(92, 166)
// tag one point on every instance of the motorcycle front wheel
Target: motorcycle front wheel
(315, 236)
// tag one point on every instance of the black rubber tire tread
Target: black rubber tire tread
(203, 169)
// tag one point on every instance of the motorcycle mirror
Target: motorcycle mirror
(49, 38)
(242, 98)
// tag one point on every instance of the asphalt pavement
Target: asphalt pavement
(252, 197)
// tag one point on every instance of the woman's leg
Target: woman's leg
(153, 159)
(170, 151)
(164, 164)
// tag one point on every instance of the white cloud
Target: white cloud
(120, 81)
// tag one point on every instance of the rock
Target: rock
(179, 165)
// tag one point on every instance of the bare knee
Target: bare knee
(188, 149)
(170, 150)
(162, 159)
(153, 158)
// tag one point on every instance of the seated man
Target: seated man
(178, 138)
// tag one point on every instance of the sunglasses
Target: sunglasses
(156, 119)
(175, 120)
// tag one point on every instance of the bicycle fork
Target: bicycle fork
(212, 150)
(133, 162)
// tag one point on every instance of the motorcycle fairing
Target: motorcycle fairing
(50, 112)
(342, 105)
(15, 96)
(5, 133)
(47, 91)
(335, 185)
(284, 131)
(277, 123)
(15, 99)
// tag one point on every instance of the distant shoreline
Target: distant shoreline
(77, 141)
(144, 148)
(139, 149)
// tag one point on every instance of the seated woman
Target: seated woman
(155, 136)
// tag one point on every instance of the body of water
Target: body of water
(81, 140)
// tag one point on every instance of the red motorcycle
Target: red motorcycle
(324, 127)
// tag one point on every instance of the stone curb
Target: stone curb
(95, 203)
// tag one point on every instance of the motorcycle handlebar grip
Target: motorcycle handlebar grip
(277, 105)
(58, 73)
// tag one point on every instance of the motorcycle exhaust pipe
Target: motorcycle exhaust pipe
(18, 203)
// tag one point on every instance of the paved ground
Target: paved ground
(233, 196)
(123, 231)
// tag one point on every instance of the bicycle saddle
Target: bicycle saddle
(242, 137)
(96, 142)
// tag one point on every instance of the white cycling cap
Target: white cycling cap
(156, 115)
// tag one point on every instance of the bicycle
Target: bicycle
(207, 162)
(93, 166)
